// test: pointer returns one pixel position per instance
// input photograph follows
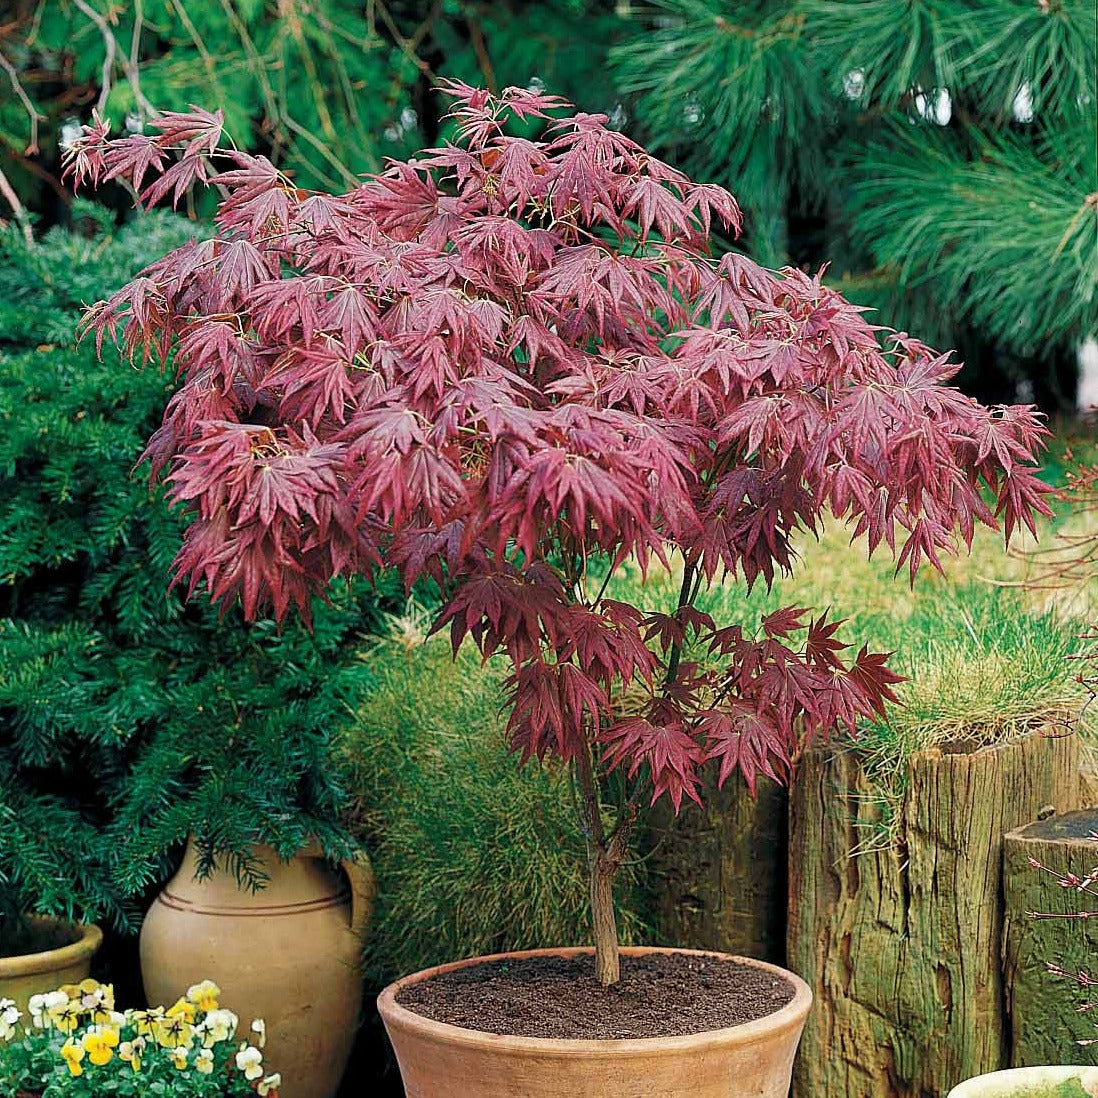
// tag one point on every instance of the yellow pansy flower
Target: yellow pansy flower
(179, 1058)
(181, 1008)
(204, 1061)
(65, 1016)
(100, 1001)
(100, 1043)
(173, 1031)
(88, 993)
(72, 1052)
(99, 1052)
(204, 995)
(146, 1020)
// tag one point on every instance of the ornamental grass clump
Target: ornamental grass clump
(512, 365)
(72, 1043)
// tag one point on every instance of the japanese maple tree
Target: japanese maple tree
(510, 366)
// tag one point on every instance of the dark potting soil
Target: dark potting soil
(19, 938)
(659, 995)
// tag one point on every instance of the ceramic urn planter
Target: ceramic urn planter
(1032, 1082)
(289, 954)
(28, 974)
(753, 1060)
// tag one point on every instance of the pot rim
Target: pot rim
(790, 1016)
(50, 960)
(992, 1083)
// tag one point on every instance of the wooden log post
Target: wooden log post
(901, 946)
(1045, 1025)
(721, 871)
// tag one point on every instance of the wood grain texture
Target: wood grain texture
(1045, 1026)
(720, 871)
(902, 946)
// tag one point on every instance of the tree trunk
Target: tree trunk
(902, 946)
(1045, 1025)
(604, 920)
(603, 860)
(721, 870)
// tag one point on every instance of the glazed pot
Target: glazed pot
(1032, 1082)
(753, 1060)
(34, 973)
(289, 954)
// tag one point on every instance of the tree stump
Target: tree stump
(902, 946)
(721, 871)
(1045, 1025)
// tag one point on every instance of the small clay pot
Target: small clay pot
(753, 1060)
(1032, 1082)
(30, 974)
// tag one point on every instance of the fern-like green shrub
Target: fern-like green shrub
(473, 854)
(127, 718)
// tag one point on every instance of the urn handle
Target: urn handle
(360, 876)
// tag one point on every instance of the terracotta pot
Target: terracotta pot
(753, 1060)
(1032, 1082)
(33, 973)
(288, 954)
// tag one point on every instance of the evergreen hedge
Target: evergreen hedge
(127, 717)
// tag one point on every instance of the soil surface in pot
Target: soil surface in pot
(660, 995)
(24, 937)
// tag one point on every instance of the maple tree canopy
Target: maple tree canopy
(508, 364)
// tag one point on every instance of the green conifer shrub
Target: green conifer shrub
(128, 719)
(941, 154)
(328, 89)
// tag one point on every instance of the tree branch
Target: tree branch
(28, 104)
(8, 191)
(110, 46)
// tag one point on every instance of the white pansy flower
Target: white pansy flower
(37, 1007)
(9, 1015)
(260, 1027)
(272, 1082)
(40, 1006)
(249, 1060)
(217, 1026)
(204, 1061)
